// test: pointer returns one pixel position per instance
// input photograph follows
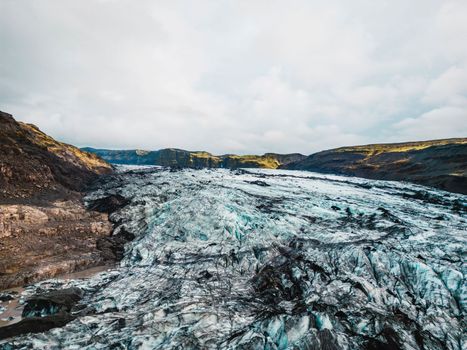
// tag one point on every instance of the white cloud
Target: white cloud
(444, 122)
(452, 25)
(235, 76)
(449, 88)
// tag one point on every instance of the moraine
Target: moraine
(264, 259)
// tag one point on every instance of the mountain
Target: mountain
(187, 159)
(437, 163)
(32, 163)
(45, 228)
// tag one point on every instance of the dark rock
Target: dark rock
(35, 325)
(58, 301)
(276, 280)
(459, 207)
(425, 197)
(45, 311)
(6, 297)
(204, 276)
(390, 342)
(109, 204)
(113, 247)
(327, 340)
(259, 183)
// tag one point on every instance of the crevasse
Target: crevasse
(264, 259)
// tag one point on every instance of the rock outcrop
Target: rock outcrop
(439, 163)
(186, 159)
(45, 230)
(45, 311)
(32, 164)
(44, 240)
(51, 303)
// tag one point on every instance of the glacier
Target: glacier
(271, 259)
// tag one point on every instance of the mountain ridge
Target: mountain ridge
(33, 163)
(194, 159)
(440, 163)
(437, 163)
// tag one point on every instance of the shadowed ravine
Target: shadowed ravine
(270, 259)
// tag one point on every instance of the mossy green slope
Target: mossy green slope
(436, 163)
(198, 159)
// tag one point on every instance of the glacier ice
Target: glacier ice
(264, 259)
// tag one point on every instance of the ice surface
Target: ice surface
(264, 259)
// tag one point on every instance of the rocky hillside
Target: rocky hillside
(32, 162)
(438, 163)
(187, 159)
(45, 228)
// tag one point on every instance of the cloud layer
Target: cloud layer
(236, 76)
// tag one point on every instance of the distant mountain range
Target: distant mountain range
(437, 163)
(187, 159)
(32, 162)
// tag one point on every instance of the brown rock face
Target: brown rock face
(45, 230)
(41, 241)
(33, 164)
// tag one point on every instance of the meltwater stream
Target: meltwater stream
(263, 259)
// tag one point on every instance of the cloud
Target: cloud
(449, 88)
(235, 76)
(452, 27)
(444, 122)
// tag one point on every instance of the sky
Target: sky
(236, 76)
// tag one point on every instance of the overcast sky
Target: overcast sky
(236, 76)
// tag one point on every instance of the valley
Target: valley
(250, 259)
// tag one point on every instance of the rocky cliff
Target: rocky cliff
(187, 159)
(45, 228)
(33, 164)
(439, 163)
